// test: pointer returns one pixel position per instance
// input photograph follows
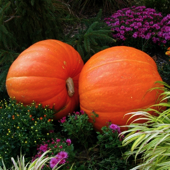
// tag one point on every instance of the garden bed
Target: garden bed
(72, 142)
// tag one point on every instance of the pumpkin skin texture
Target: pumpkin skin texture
(116, 81)
(40, 73)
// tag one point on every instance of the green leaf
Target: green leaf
(87, 43)
(32, 2)
(3, 29)
(91, 27)
(137, 142)
(130, 137)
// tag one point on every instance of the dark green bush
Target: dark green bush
(92, 6)
(92, 36)
(78, 129)
(23, 127)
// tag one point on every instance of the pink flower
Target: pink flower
(82, 112)
(63, 119)
(135, 35)
(53, 162)
(43, 147)
(51, 131)
(115, 128)
(60, 146)
(77, 113)
(58, 140)
(68, 141)
(62, 155)
(62, 161)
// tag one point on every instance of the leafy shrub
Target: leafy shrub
(23, 127)
(164, 69)
(77, 127)
(140, 27)
(102, 150)
(109, 141)
(106, 153)
(91, 6)
(92, 36)
(33, 20)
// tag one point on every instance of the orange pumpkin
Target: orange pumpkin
(116, 81)
(47, 72)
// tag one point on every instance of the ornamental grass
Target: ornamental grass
(150, 140)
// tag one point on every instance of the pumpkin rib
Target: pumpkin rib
(117, 61)
(35, 73)
(129, 52)
(31, 49)
(54, 94)
(89, 89)
(69, 53)
(23, 80)
(92, 90)
(33, 76)
(52, 57)
(69, 103)
(43, 88)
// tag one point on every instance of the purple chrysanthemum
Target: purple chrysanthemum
(139, 22)
(53, 162)
(115, 128)
(62, 155)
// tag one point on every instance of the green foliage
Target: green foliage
(110, 141)
(78, 128)
(106, 154)
(103, 150)
(150, 140)
(91, 6)
(32, 20)
(164, 71)
(92, 36)
(164, 68)
(22, 127)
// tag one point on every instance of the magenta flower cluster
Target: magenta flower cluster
(60, 158)
(58, 149)
(116, 128)
(140, 22)
(63, 119)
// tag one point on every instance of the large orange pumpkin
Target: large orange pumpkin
(46, 72)
(116, 81)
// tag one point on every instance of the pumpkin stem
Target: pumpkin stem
(70, 86)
